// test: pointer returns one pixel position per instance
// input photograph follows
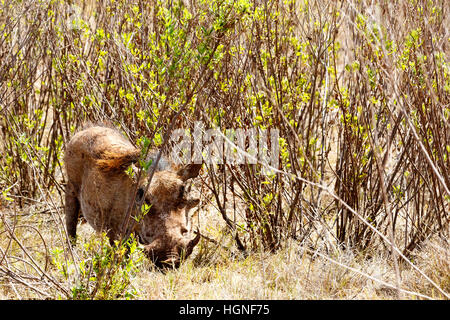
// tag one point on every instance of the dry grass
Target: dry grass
(220, 272)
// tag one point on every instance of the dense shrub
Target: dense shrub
(358, 91)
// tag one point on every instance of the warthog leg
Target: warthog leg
(72, 211)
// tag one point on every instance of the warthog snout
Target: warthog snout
(98, 186)
(164, 258)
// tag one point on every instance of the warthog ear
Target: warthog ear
(192, 203)
(189, 171)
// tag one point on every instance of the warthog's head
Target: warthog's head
(166, 230)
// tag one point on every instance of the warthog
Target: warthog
(98, 185)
